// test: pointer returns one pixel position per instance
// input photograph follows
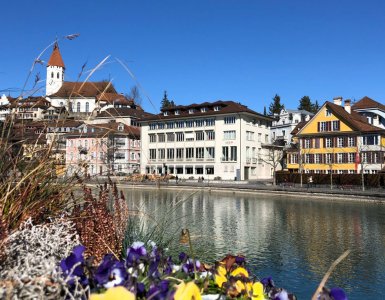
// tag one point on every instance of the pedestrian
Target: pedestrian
(310, 181)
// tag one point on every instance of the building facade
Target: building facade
(338, 140)
(215, 140)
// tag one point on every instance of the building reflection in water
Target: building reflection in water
(295, 240)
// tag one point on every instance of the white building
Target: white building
(372, 110)
(285, 122)
(221, 139)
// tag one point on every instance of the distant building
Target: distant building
(221, 139)
(285, 123)
(338, 140)
(372, 110)
(103, 149)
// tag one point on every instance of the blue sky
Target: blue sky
(206, 50)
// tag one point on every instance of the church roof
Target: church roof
(84, 89)
(56, 59)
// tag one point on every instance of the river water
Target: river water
(292, 239)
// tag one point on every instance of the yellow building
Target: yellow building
(337, 140)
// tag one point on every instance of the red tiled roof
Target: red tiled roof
(56, 59)
(84, 89)
(124, 112)
(367, 102)
(226, 107)
(114, 98)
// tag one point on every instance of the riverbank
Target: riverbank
(351, 193)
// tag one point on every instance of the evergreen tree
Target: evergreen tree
(305, 104)
(165, 102)
(264, 111)
(315, 107)
(276, 106)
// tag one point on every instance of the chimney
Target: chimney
(347, 106)
(337, 100)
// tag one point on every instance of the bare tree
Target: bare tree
(272, 155)
(135, 95)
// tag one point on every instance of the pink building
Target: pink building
(102, 149)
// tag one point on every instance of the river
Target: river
(294, 239)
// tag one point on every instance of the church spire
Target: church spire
(56, 60)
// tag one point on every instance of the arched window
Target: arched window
(51, 74)
(57, 75)
(87, 107)
(78, 107)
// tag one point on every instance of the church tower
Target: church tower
(55, 71)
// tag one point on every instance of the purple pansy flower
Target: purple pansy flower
(72, 266)
(160, 291)
(338, 294)
(135, 253)
(110, 272)
(188, 267)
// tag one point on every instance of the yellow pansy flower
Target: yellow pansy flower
(115, 293)
(240, 271)
(220, 276)
(258, 291)
(189, 291)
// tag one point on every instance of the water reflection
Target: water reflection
(292, 239)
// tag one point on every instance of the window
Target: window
(328, 158)
(199, 152)
(152, 153)
(87, 107)
(189, 136)
(199, 123)
(210, 122)
(161, 153)
(189, 170)
(233, 153)
(177, 112)
(328, 113)
(203, 109)
(189, 153)
(57, 75)
(210, 135)
(198, 170)
(259, 137)
(370, 140)
(210, 152)
(316, 143)
(170, 137)
(364, 157)
(216, 108)
(191, 111)
(161, 126)
(225, 153)
(152, 126)
(307, 158)
(317, 158)
(179, 153)
(351, 141)
(266, 138)
(336, 125)
(339, 158)
(78, 107)
(152, 138)
(328, 142)
(351, 157)
(170, 125)
(170, 153)
(189, 124)
(340, 142)
(307, 143)
(230, 120)
(52, 75)
(199, 135)
(179, 124)
(165, 113)
(229, 135)
(249, 135)
(179, 136)
(294, 158)
(161, 138)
